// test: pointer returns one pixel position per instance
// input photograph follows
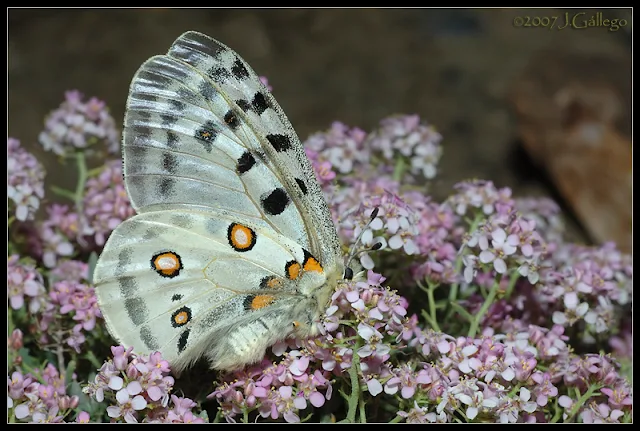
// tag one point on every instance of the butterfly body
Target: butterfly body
(233, 247)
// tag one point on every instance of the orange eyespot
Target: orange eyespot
(274, 283)
(271, 282)
(167, 264)
(312, 265)
(181, 317)
(241, 238)
(293, 270)
(261, 301)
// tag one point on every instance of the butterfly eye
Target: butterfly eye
(348, 273)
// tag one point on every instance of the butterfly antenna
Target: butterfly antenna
(348, 273)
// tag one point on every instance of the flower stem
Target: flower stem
(218, 417)
(581, 402)
(354, 398)
(473, 328)
(453, 292)
(432, 305)
(363, 413)
(512, 283)
(355, 387)
(395, 420)
(60, 354)
(398, 169)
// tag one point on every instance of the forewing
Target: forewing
(201, 130)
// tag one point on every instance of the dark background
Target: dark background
(453, 67)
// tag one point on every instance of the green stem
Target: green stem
(64, 193)
(485, 306)
(218, 416)
(355, 387)
(81, 163)
(60, 355)
(94, 172)
(396, 420)
(399, 168)
(353, 399)
(432, 306)
(581, 402)
(429, 320)
(363, 413)
(512, 283)
(558, 413)
(453, 292)
(9, 320)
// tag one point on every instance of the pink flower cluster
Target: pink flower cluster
(78, 125)
(23, 280)
(274, 390)
(40, 397)
(25, 180)
(73, 297)
(138, 387)
(106, 203)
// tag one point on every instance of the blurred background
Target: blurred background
(543, 111)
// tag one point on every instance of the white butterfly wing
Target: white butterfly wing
(189, 283)
(201, 129)
(233, 244)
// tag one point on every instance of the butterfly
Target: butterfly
(232, 247)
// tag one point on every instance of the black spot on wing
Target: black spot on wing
(124, 259)
(243, 104)
(248, 301)
(207, 91)
(176, 297)
(172, 139)
(177, 105)
(136, 310)
(128, 286)
(259, 103)
(275, 202)
(168, 120)
(206, 135)
(245, 162)
(152, 233)
(182, 342)
(219, 74)
(231, 119)
(238, 70)
(279, 142)
(302, 185)
(169, 162)
(148, 339)
(186, 96)
(166, 187)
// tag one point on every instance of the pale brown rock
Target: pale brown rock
(572, 123)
